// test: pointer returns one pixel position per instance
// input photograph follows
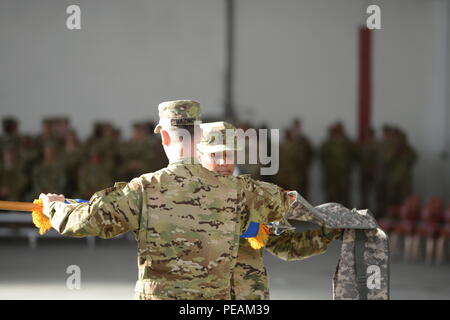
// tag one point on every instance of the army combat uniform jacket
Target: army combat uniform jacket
(187, 221)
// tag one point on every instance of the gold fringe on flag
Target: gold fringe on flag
(39, 219)
(261, 238)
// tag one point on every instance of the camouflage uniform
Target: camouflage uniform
(137, 154)
(295, 158)
(50, 175)
(338, 154)
(93, 176)
(385, 158)
(399, 176)
(368, 162)
(186, 219)
(72, 160)
(29, 157)
(250, 278)
(10, 137)
(106, 143)
(396, 161)
(13, 180)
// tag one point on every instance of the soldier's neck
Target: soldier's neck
(179, 152)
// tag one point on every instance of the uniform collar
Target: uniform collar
(182, 161)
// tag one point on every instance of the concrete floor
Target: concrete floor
(108, 271)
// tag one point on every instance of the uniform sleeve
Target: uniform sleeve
(291, 245)
(265, 202)
(109, 212)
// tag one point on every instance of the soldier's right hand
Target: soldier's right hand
(49, 197)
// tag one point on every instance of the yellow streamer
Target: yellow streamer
(39, 219)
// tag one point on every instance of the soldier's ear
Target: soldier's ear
(165, 137)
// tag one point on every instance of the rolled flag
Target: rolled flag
(256, 234)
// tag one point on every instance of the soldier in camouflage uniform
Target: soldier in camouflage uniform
(47, 135)
(338, 155)
(295, 158)
(305, 154)
(400, 171)
(385, 157)
(72, 157)
(49, 175)
(186, 219)
(93, 175)
(105, 141)
(287, 177)
(10, 137)
(250, 279)
(29, 157)
(395, 168)
(368, 163)
(137, 153)
(13, 180)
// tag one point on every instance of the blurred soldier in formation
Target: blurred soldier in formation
(400, 172)
(72, 157)
(137, 153)
(368, 162)
(49, 175)
(386, 152)
(296, 154)
(93, 175)
(60, 129)
(10, 137)
(395, 169)
(251, 165)
(47, 135)
(288, 176)
(29, 157)
(96, 134)
(13, 180)
(306, 154)
(338, 155)
(105, 141)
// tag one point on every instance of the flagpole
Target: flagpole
(19, 206)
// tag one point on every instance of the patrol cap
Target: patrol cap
(214, 138)
(177, 113)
